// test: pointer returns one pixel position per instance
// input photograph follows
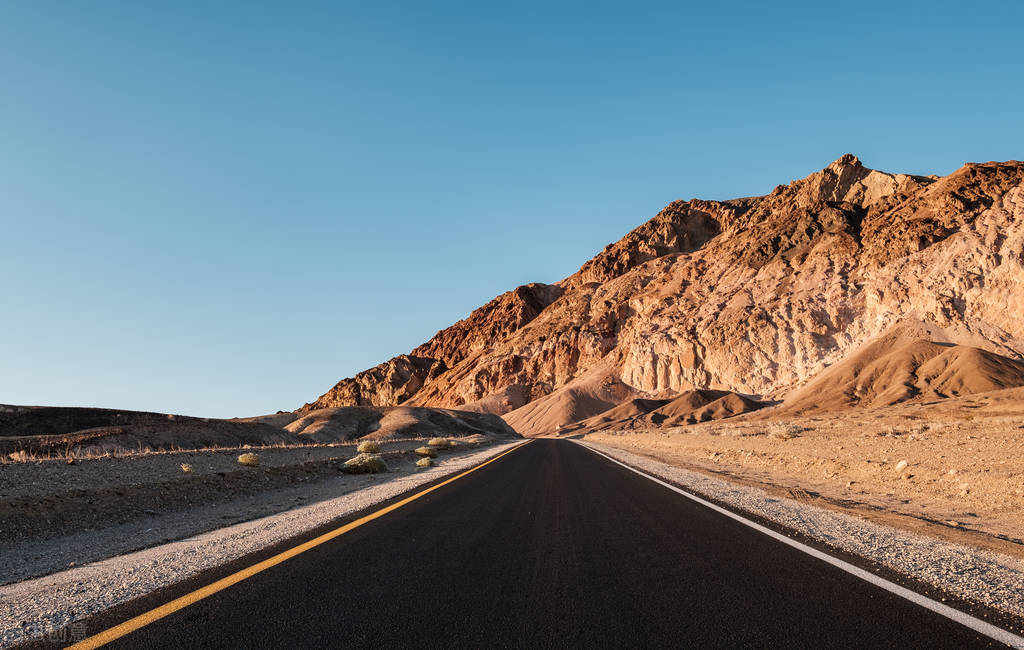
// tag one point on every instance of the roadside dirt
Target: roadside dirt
(52, 513)
(954, 477)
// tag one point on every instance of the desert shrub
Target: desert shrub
(784, 431)
(368, 447)
(424, 462)
(365, 464)
(185, 467)
(438, 443)
(427, 452)
(453, 443)
(249, 459)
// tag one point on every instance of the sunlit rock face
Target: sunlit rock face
(753, 295)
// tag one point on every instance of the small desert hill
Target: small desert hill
(619, 416)
(702, 406)
(58, 431)
(383, 423)
(886, 372)
(45, 431)
(584, 398)
(690, 407)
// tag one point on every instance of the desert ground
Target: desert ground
(952, 469)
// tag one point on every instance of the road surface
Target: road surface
(550, 545)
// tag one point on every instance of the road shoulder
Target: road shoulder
(44, 606)
(991, 581)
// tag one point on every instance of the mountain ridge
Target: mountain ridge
(753, 295)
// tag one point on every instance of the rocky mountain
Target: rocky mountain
(755, 296)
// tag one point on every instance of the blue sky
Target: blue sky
(223, 208)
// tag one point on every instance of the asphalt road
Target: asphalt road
(550, 546)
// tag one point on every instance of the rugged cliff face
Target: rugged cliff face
(753, 295)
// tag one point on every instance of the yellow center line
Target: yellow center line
(167, 609)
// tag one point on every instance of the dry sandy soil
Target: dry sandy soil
(49, 510)
(953, 469)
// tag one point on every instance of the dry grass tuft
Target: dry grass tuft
(368, 447)
(249, 460)
(427, 452)
(185, 467)
(784, 431)
(424, 462)
(365, 464)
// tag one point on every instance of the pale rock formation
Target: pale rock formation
(754, 295)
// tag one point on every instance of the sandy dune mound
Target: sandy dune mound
(690, 407)
(380, 423)
(702, 406)
(887, 372)
(619, 417)
(582, 399)
(623, 413)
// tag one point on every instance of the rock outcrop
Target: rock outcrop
(388, 384)
(754, 295)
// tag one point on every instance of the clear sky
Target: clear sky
(222, 208)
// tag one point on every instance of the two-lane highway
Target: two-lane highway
(550, 545)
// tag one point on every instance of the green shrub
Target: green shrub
(368, 447)
(365, 464)
(427, 452)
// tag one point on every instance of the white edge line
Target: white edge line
(976, 624)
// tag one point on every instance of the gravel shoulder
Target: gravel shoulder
(103, 567)
(991, 579)
(951, 471)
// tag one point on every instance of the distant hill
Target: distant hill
(46, 431)
(883, 374)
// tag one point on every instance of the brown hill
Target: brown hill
(702, 406)
(755, 295)
(889, 371)
(382, 423)
(690, 407)
(584, 398)
(621, 415)
(46, 431)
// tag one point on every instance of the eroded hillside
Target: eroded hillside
(755, 296)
